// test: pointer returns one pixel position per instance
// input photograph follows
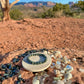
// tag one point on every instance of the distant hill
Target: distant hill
(40, 3)
(36, 4)
(20, 3)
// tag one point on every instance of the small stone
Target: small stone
(35, 73)
(23, 80)
(68, 82)
(14, 60)
(57, 78)
(6, 76)
(52, 67)
(46, 75)
(69, 68)
(2, 79)
(64, 80)
(65, 69)
(52, 55)
(42, 50)
(74, 59)
(81, 70)
(66, 60)
(35, 80)
(19, 56)
(17, 82)
(61, 56)
(58, 62)
(45, 52)
(62, 71)
(7, 71)
(63, 64)
(48, 52)
(19, 76)
(57, 72)
(68, 76)
(3, 67)
(58, 66)
(17, 60)
(11, 75)
(20, 79)
(51, 51)
(54, 82)
(34, 51)
(57, 53)
(60, 82)
(9, 66)
(53, 64)
(23, 55)
(0, 75)
(17, 66)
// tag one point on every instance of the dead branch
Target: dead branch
(13, 3)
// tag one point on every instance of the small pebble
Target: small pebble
(74, 59)
(35, 80)
(6, 76)
(68, 82)
(54, 82)
(2, 79)
(60, 82)
(68, 76)
(45, 52)
(69, 68)
(62, 71)
(49, 53)
(52, 55)
(19, 76)
(57, 53)
(57, 78)
(14, 60)
(17, 82)
(58, 66)
(53, 64)
(57, 72)
(81, 70)
(23, 80)
(3, 67)
(58, 62)
(17, 60)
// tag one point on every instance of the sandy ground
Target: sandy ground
(42, 33)
(66, 34)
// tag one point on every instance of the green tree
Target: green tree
(58, 7)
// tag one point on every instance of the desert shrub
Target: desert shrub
(48, 14)
(58, 13)
(1, 15)
(16, 14)
(80, 5)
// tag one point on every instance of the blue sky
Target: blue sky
(58, 1)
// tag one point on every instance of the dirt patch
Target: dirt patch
(42, 33)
